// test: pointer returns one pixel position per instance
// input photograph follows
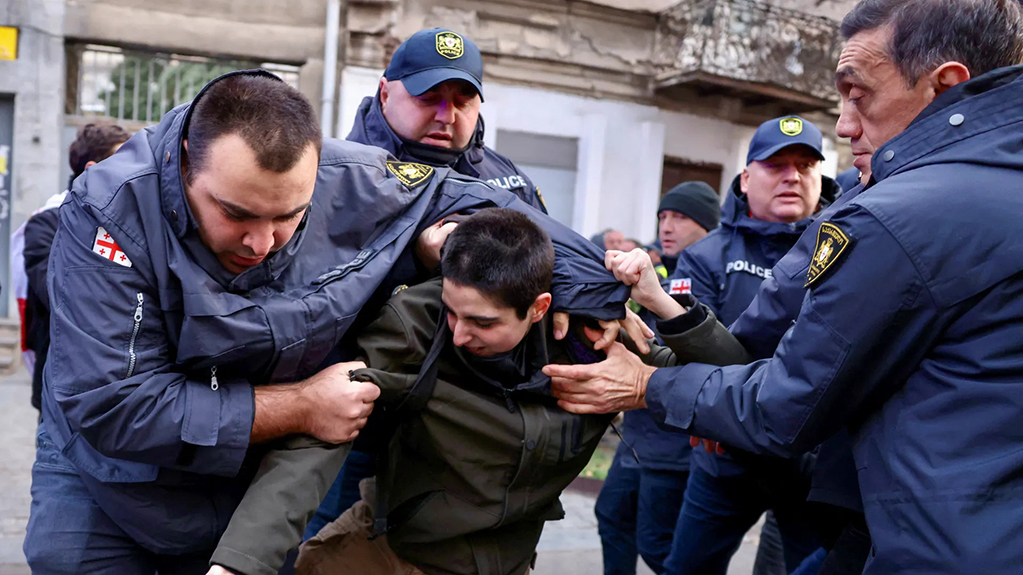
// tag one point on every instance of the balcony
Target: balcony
(761, 55)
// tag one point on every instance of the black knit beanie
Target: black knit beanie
(696, 200)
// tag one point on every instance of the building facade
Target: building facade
(604, 103)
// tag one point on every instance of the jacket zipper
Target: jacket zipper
(134, 334)
(214, 384)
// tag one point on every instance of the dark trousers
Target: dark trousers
(636, 514)
(344, 493)
(68, 533)
(718, 511)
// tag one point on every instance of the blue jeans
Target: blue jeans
(718, 511)
(636, 513)
(344, 492)
(68, 533)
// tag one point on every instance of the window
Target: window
(131, 86)
(550, 162)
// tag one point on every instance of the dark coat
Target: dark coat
(474, 469)
(910, 337)
(39, 232)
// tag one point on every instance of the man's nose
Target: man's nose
(460, 335)
(848, 125)
(260, 239)
(445, 112)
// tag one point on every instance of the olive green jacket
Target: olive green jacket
(472, 475)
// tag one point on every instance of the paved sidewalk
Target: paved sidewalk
(17, 452)
(572, 547)
(568, 547)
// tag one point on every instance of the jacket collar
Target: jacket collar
(371, 128)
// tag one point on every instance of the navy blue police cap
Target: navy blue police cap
(773, 135)
(437, 55)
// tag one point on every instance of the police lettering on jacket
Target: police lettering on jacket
(744, 266)
(508, 182)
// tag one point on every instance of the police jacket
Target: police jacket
(909, 335)
(724, 270)
(478, 161)
(155, 348)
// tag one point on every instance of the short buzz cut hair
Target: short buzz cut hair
(983, 35)
(503, 254)
(273, 119)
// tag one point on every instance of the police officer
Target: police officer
(767, 208)
(193, 278)
(640, 500)
(427, 110)
(912, 313)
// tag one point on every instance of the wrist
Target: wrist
(665, 307)
(643, 380)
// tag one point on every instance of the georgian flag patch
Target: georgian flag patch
(683, 286)
(106, 247)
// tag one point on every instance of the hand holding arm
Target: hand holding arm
(616, 384)
(636, 269)
(328, 406)
(431, 241)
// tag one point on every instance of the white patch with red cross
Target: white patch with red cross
(681, 286)
(108, 248)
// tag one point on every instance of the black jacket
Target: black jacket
(39, 232)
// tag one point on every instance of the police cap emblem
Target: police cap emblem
(791, 126)
(410, 173)
(450, 45)
(831, 244)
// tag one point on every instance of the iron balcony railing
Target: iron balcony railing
(748, 42)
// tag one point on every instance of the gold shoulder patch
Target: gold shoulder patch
(410, 173)
(831, 244)
(543, 202)
(450, 45)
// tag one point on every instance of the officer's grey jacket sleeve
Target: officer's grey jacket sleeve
(111, 369)
(291, 482)
(863, 328)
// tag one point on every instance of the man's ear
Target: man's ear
(540, 306)
(383, 94)
(947, 75)
(89, 164)
(744, 180)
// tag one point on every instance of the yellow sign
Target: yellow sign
(8, 43)
(450, 45)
